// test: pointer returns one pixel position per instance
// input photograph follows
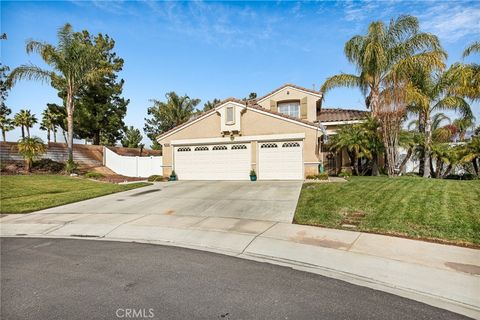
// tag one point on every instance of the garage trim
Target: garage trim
(270, 137)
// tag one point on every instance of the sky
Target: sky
(221, 49)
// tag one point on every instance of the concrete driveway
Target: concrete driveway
(262, 200)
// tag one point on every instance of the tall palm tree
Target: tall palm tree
(73, 62)
(25, 120)
(471, 152)
(30, 149)
(49, 123)
(462, 126)
(386, 52)
(431, 93)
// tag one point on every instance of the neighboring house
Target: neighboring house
(277, 135)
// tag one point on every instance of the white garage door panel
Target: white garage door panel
(280, 160)
(213, 162)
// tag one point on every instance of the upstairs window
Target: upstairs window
(229, 115)
(291, 108)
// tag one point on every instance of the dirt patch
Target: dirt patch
(352, 219)
(463, 267)
(301, 237)
(169, 212)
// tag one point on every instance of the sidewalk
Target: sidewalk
(440, 275)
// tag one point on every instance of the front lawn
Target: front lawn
(433, 209)
(19, 194)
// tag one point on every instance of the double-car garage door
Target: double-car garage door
(233, 161)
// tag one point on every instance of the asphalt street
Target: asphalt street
(82, 279)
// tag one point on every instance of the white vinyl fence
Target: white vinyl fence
(132, 166)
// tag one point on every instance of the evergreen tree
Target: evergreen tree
(132, 138)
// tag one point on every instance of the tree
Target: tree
(462, 126)
(386, 52)
(3, 85)
(167, 115)
(59, 116)
(31, 149)
(49, 123)
(471, 152)
(354, 139)
(25, 120)
(209, 105)
(74, 65)
(100, 108)
(6, 124)
(431, 92)
(132, 138)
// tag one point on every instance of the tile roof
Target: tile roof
(337, 114)
(289, 85)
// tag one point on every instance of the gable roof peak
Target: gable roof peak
(291, 85)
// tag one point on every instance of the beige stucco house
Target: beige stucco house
(278, 135)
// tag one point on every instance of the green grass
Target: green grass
(20, 194)
(407, 206)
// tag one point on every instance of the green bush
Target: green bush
(345, 174)
(93, 175)
(48, 165)
(155, 178)
(253, 173)
(322, 176)
(71, 166)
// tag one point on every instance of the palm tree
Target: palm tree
(386, 52)
(74, 64)
(6, 124)
(471, 152)
(30, 149)
(355, 141)
(430, 93)
(49, 123)
(472, 48)
(462, 126)
(209, 105)
(25, 120)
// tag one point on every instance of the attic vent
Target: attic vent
(268, 145)
(291, 145)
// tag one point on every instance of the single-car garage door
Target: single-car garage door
(280, 160)
(213, 162)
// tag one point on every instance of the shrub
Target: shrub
(71, 166)
(253, 173)
(48, 165)
(155, 178)
(345, 174)
(311, 177)
(173, 174)
(322, 176)
(93, 175)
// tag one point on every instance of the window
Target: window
(184, 149)
(230, 115)
(291, 108)
(268, 145)
(201, 148)
(239, 146)
(219, 148)
(291, 145)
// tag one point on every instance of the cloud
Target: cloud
(452, 22)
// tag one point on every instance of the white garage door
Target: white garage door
(280, 160)
(213, 162)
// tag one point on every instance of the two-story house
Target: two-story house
(278, 135)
